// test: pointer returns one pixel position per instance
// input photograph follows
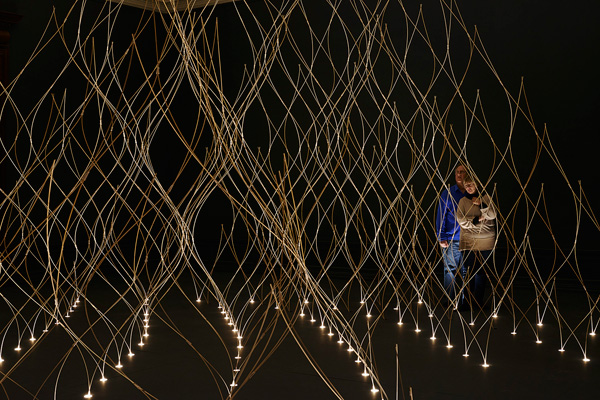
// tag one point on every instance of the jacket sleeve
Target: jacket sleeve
(462, 214)
(440, 216)
(488, 212)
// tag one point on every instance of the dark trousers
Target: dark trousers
(453, 271)
(474, 262)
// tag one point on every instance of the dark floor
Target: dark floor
(190, 352)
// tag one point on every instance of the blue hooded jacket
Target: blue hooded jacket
(446, 226)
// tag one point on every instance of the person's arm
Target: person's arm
(488, 211)
(464, 220)
(440, 219)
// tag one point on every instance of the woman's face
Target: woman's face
(471, 187)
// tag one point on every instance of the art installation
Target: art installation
(171, 179)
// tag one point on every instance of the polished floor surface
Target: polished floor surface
(190, 350)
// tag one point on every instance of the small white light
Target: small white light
(236, 370)
(350, 349)
(146, 334)
(32, 339)
(430, 315)
(495, 316)
(140, 344)
(538, 341)
(400, 322)
(103, 379)
(472, 323)
(131, 354)
(369, 315)
(119, 365)
(586, 359)
(313, 320)
(322, 327)
(592, 333)
(237, 357)
(233, 384)
(240, 337)
(330, 334)
(357, 361)
(306, 301)
(513, 333)
(466, 355)
(420, 302)
(362, 302)
(395, 308)
(251, 301)
(302, 314)
(449, 346)
(432, 338)
(365, 373)
(234, 329)
(561, 350)
(417, 330)
(240, 346)
(277, 307)
(374, 390)
(340, 341)
(88, 396)
(18, 348)
(485, 365)
(539, 324)
(198, 300)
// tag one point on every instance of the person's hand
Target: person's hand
(444, 243)
(476, 201)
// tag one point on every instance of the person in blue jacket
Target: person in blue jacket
(448, 235)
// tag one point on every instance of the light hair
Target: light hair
(468, 178)
(471, 179)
